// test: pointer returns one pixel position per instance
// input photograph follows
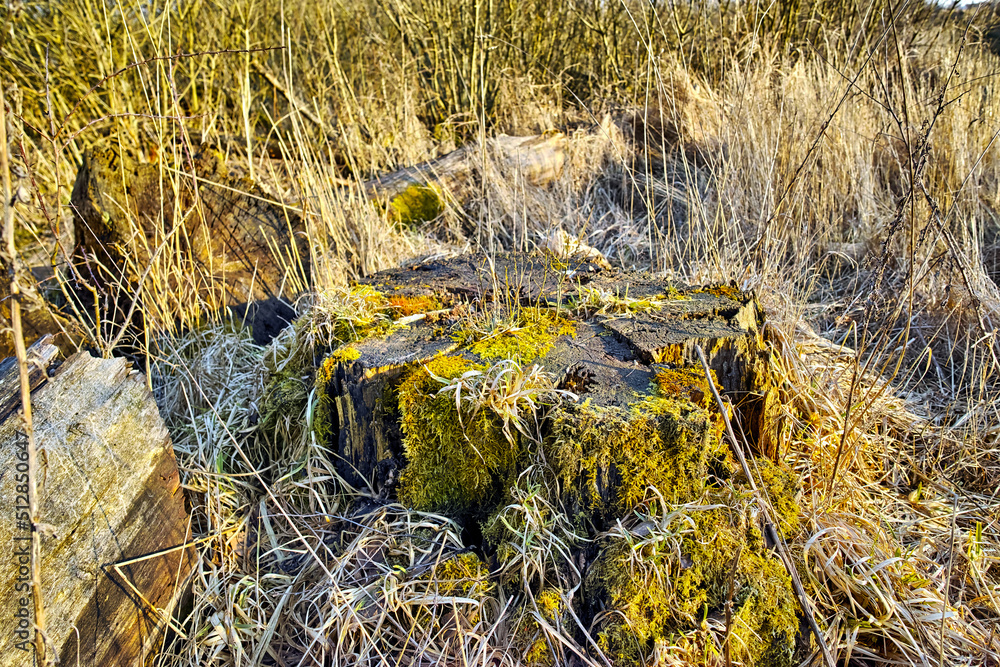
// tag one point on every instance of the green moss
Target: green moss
(457, 462)
(464, 575)
(522, 335)
(781, 487)
(607, 458)
(667, 574)
(663, 587)
(343, 354)
(417, 204)
(529, 636)
(323, 417)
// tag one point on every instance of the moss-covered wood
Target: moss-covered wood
(605, 335)
(440, 407)
(418, 193)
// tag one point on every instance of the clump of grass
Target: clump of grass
(600, 301)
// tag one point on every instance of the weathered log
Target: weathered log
(242, 246)
(418, 193)
(114, 565)
(634, 327)
(41, 356)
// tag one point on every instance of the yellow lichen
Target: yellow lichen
(522, 335)
(686, 382)
(724, 291)
(343, 354)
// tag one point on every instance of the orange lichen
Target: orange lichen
(724, 291)
(404, 306)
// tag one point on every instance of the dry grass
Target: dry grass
(844, 168)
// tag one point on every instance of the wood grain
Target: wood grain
(110, 492)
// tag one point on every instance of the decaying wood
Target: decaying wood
(609, 362)
(293, 100)
(113, 510)
(41, 356)
(538, 159)
(245, 246)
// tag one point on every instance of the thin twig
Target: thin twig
(293, 100)
(22, 365)
(769, 527)
(947, 581)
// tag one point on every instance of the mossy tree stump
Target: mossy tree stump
(647, 332)
(490, 371)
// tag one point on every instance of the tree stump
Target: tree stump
(114, 566)
(495, 382)
(229, 239)
(622, 330)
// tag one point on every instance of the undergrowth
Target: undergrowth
(840, 163)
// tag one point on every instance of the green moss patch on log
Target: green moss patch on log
(522, 334)
(457, 460)
(608, 457)
(417, 204)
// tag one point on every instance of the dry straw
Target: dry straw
(841, 163)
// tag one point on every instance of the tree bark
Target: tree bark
(114, 564)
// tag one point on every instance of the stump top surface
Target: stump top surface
(633, 320)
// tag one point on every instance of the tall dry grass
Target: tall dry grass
(838, 158)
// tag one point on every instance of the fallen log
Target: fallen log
(420, 193)
(114, 565)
